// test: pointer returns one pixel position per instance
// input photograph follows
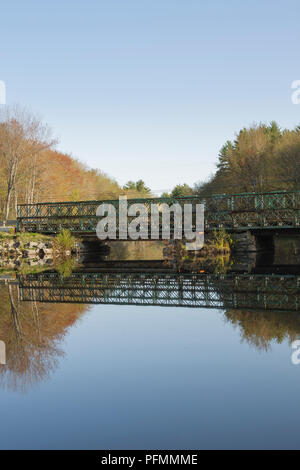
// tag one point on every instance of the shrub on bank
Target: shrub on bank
(64, 241)
(221, 241)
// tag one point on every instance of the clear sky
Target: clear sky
(151, 89)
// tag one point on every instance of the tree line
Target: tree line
(32, 170)
(262, 157)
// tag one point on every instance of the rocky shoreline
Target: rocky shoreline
(14, 250)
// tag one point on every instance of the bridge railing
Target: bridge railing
(277, 209)
(81, 216)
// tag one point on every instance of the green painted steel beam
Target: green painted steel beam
(268, 210)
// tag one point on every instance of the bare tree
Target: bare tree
(22, 137)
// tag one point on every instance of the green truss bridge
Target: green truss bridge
(257, 213)
(231, 291)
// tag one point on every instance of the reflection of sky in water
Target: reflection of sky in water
(156, 377)
(128, 376)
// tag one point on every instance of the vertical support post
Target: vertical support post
(18, 225)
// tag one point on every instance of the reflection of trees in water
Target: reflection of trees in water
(261, 328)
(32, 333)
(135, 250)
(185, 260)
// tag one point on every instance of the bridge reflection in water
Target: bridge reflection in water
(196, 290)
(264, 307)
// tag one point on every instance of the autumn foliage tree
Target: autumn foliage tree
(32, 170)
(261, 158)
(22, 138)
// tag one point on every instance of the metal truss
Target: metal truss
(271, 210)
(239, 291)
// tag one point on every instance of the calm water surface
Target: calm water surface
(132, 376)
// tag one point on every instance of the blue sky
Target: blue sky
(151, 89)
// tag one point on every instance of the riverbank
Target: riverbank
(25, 244)
(38, 248)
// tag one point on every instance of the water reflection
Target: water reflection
(262, 328)
(2, 353)
(33, 334)
(131, 283)
(257, 296)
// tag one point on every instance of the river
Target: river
(129, 354)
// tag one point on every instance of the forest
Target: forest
(32, 170)
(263, 157)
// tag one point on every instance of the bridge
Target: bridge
(234, 212)
(196, 290)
